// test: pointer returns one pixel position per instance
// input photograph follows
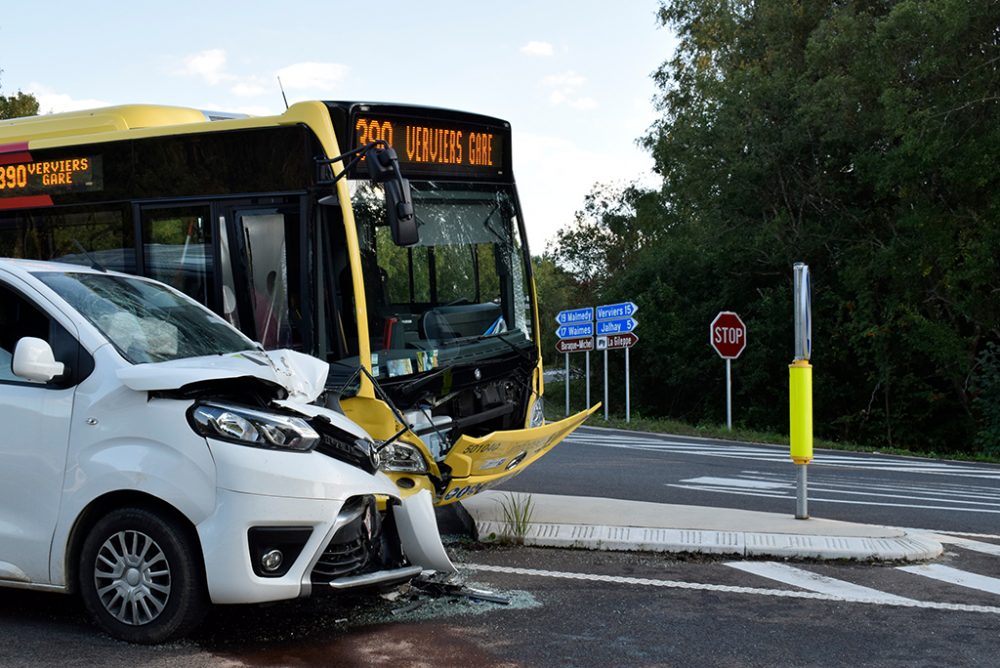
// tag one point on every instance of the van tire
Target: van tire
(140, 576)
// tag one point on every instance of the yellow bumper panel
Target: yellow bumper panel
(482, 462)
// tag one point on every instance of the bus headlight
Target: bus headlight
(402, 458)
(537, 413)
(247, 426)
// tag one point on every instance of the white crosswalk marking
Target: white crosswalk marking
(955, 576)
(892, 495)
(991, 549)
(885, 599)
(706, 448)
(798, 577)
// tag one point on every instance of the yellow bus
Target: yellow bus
(385, 239)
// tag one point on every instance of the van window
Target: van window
(20, 318)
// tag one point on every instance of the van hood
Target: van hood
(301, 376)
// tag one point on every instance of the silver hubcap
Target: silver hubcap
(132, 578)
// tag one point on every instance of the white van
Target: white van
(153, 459)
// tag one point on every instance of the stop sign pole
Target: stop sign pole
(728, 336)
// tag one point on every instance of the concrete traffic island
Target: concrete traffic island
(614, 524)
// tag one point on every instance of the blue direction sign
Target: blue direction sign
(622, 310)
(618, 326)
(575, 315)
(575, 331)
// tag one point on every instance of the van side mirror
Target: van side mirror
(33, 360)
(383, 167)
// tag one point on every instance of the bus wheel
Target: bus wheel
(140, 576)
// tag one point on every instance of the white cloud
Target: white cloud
(555, 174)
(210, 65)
(537, 49)
(312, 76)
(565, 89)
(258, 110)
(51, 102)
(583, 103)
(250, 88)
(568, 79)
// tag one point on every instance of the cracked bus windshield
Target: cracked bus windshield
(458, 295)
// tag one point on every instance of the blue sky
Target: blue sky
(573, 78)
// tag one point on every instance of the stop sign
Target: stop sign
(728, 335)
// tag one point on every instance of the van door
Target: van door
(35, 419)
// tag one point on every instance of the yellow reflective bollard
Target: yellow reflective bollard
(800, 411)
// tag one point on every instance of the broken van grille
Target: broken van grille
(355, 544)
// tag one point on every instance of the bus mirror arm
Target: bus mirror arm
(383, 167)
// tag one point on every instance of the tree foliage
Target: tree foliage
(862, 138)
(17, 105)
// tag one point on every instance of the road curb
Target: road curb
(908, 547)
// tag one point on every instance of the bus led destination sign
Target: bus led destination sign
(48, 177)
(433, 147)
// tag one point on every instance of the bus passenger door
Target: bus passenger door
(271, 273)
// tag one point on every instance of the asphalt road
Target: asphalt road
(579, 608)
(568, 608)
(854, 487)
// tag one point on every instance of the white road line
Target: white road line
(943, 490)
(741, 492)
(821, 584)
(957, 533)
(991, 549)
(738, 451)
(819, 486)
(675, 584)
(955, 576)
(738, 482)
(812, 499)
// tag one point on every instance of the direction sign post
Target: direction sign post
(728, 336)
(614, 331)
(575, 333)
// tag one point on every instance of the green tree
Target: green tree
(860, 137)
(17, 105)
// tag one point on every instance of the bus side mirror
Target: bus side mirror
(383, 167)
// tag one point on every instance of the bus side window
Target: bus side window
(177, 248)
(104, 232)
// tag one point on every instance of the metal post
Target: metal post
(567, 384)
(800, 411)
(605, 385)
(587, 362)
(801, 495)
(729, 394)
(628, 398)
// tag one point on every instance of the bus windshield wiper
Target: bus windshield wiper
(417, 382)
(502, 336)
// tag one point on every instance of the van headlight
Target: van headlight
(537, 413)
(247, 426)
(402, 458)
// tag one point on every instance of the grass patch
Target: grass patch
(517, 511)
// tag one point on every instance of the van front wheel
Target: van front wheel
(140, 577)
